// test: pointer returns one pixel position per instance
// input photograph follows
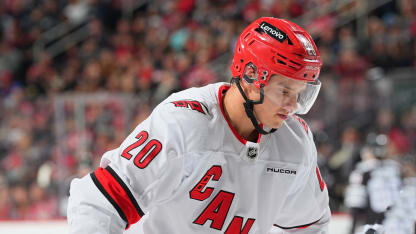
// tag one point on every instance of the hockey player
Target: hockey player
(224, 158)
(400, 218)
(374, 184)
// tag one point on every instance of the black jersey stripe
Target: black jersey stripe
(126, 189)
(300, 226)
(109, 198)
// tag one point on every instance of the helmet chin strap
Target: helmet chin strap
(249, 104)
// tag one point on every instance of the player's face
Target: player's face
(280, 100)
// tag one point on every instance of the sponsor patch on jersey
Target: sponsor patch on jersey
(281, 171)
(192, 105)
(272, 31)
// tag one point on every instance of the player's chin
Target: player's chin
(275, 123)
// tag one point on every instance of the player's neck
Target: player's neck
(234, 111)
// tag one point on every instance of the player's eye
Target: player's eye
(285, 93)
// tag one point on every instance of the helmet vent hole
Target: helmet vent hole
(281, 56)
(280, 61)
(248, 34)
(241, 60)
(239, 49)
(292, 67)
(289, 41)
(314, 76)
(251, 42)
(295, 62)
(304, 75)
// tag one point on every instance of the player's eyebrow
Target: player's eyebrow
(287, 87)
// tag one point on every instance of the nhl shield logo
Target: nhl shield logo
(252, 152)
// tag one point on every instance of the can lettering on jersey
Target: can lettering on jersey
(214, 174)
(218, 208)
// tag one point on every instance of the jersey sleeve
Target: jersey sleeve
(132, 179)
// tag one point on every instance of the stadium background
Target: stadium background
(77, 75)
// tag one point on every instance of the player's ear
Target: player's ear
(250, 90)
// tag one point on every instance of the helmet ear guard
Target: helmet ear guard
(250, 73)
(258, 76)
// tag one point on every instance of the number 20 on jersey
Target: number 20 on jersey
(146, 154)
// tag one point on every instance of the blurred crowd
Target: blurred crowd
(54, 125)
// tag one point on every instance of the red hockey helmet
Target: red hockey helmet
(277, 46)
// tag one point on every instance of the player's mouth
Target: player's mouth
(282, 116)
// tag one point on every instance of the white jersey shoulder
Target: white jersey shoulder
(195, 111)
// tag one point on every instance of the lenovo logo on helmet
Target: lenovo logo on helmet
(273, 31)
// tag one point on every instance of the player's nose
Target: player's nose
(291, 104)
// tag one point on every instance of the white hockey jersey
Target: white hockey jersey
(188, 170)
(401, 218)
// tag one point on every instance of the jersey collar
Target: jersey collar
(221, 92)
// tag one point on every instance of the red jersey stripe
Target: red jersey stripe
(118, 194)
